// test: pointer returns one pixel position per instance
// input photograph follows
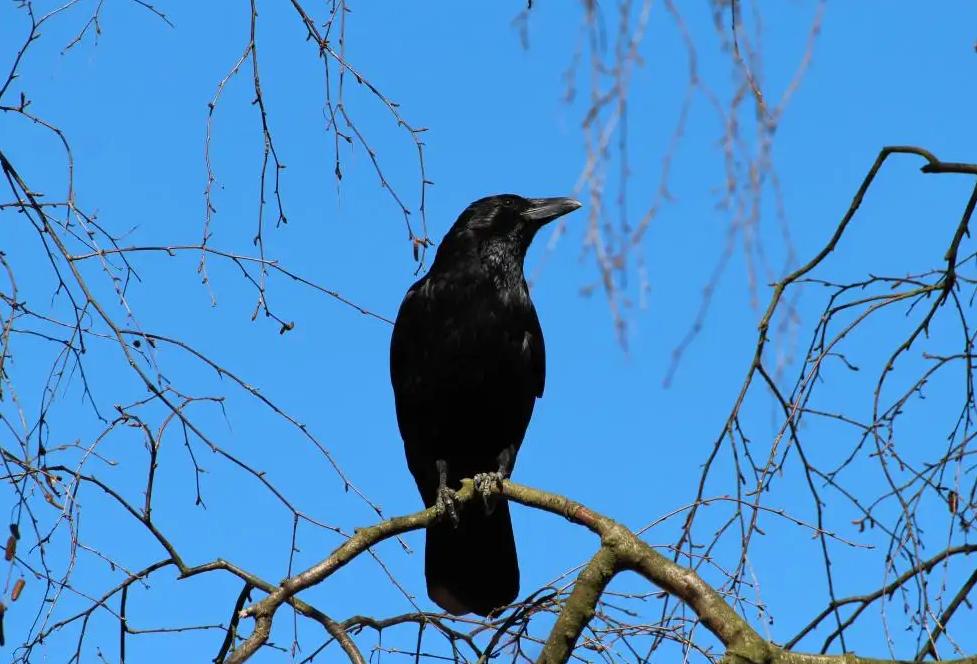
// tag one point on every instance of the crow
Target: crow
(467, 364)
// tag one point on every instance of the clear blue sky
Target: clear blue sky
(134, 107)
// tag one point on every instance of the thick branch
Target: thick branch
(634, 554)
(620, 550)
(580, 606)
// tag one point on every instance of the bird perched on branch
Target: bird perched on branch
(467, 364)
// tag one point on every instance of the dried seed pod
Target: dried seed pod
(11, 549)
(18, 588)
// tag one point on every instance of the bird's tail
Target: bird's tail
(472, 568)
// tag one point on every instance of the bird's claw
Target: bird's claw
(447, 503)
(485, 484)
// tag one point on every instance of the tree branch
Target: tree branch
(620, 550)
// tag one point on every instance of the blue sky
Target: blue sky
(134, 107)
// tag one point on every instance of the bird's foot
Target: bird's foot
(447, 504)
(486, 484)
(447, 501)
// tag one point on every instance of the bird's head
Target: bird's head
(506, 222)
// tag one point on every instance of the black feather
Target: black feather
(467, 362)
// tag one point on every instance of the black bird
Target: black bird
(467, 364)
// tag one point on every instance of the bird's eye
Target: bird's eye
(509, 202)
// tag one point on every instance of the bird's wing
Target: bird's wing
(534, 346)
(407, 347)
(428, 341)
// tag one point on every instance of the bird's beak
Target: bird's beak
(545, 210)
